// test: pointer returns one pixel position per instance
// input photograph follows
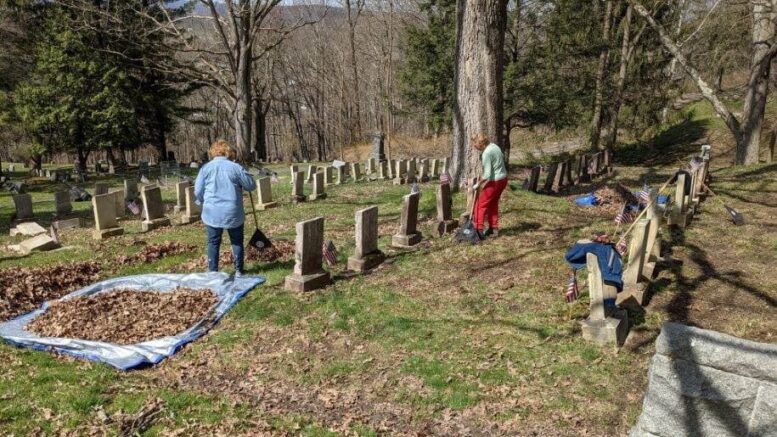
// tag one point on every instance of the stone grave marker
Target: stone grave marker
(378, 147)
(62, 203)
(582, 169)
(29, 229)
(382, 170)
(192, 211)
(399, 173)
(408, 235)
(42, 242)
(312, 169)
(679, 214)
(445, 222)
(293, 169)
(298, 189)
(329, 175)
(367, 256)
(319, 192)
(131, 189)
(560, 181)
(356, 172)
(633, 271)
(265, 194)
(23, 204)
(309, 273)
(71, 223)
(369, 166)
(423, 172)
(340, 175)
(180, 196)
(118, 201)
(153, 209)
(391, 165)
(550, 178)
(606, 324)
(534, 179)
(100, 188)
(434, 170)
(412, 174)
(105, 221)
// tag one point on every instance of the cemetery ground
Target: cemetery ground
(445, 339)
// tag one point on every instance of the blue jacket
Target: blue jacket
(219, 189)
(610, 262)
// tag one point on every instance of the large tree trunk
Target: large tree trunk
(478, 76)
(242, 115)
(259, 133)
(601, 74)
(617, 101)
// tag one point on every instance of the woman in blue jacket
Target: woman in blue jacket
(219, 190)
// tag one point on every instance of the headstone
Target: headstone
(340, 175)
(705, 383)
(423, 172)
(71, 223)
(369, 167)
(23, 204)
(653, 248)
(382, 170)
(29, 229)
(399, 173)
(41, 242)
(153, 209)
(434, 169)
(377, 147)
(606, 324)
(582, 169)
(560, 181)
(319, 192)
(391, 165)
(632, 274)
(265, 194)
(550, 178)
(593, 165)
(445, 222)
(412, 174)
(569, 180)
(367, 256)
(312, 169)
(111, 169)
(408, 235)
(180, 196)
(329, 175)
(105, 221)
(118, 201)
(308, 271)
(678, 215)
(534, 179)
(100, 188)
(192, 211)
(62, 203)
(445, 168)
(131, 189)
(356, 172)
(298, 189)
(293, 169)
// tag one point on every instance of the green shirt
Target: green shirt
(493, 159)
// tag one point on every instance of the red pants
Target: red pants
(488, 204)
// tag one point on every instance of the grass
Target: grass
(445, 337)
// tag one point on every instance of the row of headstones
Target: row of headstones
(607, 324)
(570, 172)
(309, 273)
(400, 171)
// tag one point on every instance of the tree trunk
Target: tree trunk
(478, 77)
(612, 134)
(259, 133)
(601, 73)
(356, 127)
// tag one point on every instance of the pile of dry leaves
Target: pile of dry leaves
(612, 199)
(281, 250)
(25, 289)
(155, 252)
(125, 316)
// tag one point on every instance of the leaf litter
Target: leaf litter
(281, 250)
(156, 252)
(125, 316)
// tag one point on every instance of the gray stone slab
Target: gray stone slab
(319, 192)
(23, 204)
(104, 212)
(153, 207)
(408, 234)
(180, 195)
(298, 187)
(71, 223)
(29, 229)
(100, 188)
(62, 203)
(308, 271)
(265, 194)
(41, 243)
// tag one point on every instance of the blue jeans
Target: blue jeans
(214, 245)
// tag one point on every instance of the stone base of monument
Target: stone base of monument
(680, 220)
(446, 227)
(102, 234)
(298, 199)
(71, 223)
(184, 220)
(315, 281)
(368, 262)
(29, 229)
(150, 225)
(400, 181)
(41, 243)
(317, 196)
(268, 205)
(406, 241)
(632, 294)
(611, 331)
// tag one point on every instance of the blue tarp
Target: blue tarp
(228, 290)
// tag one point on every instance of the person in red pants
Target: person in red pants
(492, 182)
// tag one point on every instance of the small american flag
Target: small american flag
(643, 195)
(624, 216)
(133, 207)
(445, 178)
(329, 251)
(572, 291)
(622, 247)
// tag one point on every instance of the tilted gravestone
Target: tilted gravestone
(319, 192)
(298, 189)
(582, 169)
(705, 383)
(265, 194)
(154, 209)
(309, 273)
(192, 211)
(180, 196)
(23, 204)
(408, 234)
(367, 256)
(62, 203)
(445, 222)
(29, 229)
(606, 324)
(106, 224)
(633, 285)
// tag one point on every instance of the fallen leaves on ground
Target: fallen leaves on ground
(281, 250)
(25, 289)
(610, 199)
(125, 316)
(155, 252)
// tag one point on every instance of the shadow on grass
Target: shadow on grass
(666, 148)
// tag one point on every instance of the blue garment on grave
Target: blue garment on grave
(610, 262)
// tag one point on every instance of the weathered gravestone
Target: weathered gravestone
(534, 179)
(100, 188)
(329, 175)
(369, 167)
(606, 324)
(62, 203)
(192, 211)
(423, 171)
(308, 271)
(377, 147)
(105, 221)
(471, 193)
(561, 175)
(118, 202)
(633, 286)
(582, 169)
(434, 171)
(71, 223)
(400, 172)
(180, 196)
(340, 175)
(265, 194)
(312, 169)
(41, 242)
(382, 170)
(356, 172)
(705, 383)
(391, 165)
(367, 255)
(298, 189)
(445, 222)
(319, 192)
(153, 209)
(550, 178)
(293, 169)
(680, 213)
(408, 235)
(131, 189)
(23, 204)
(29, 229)
(412, 174)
